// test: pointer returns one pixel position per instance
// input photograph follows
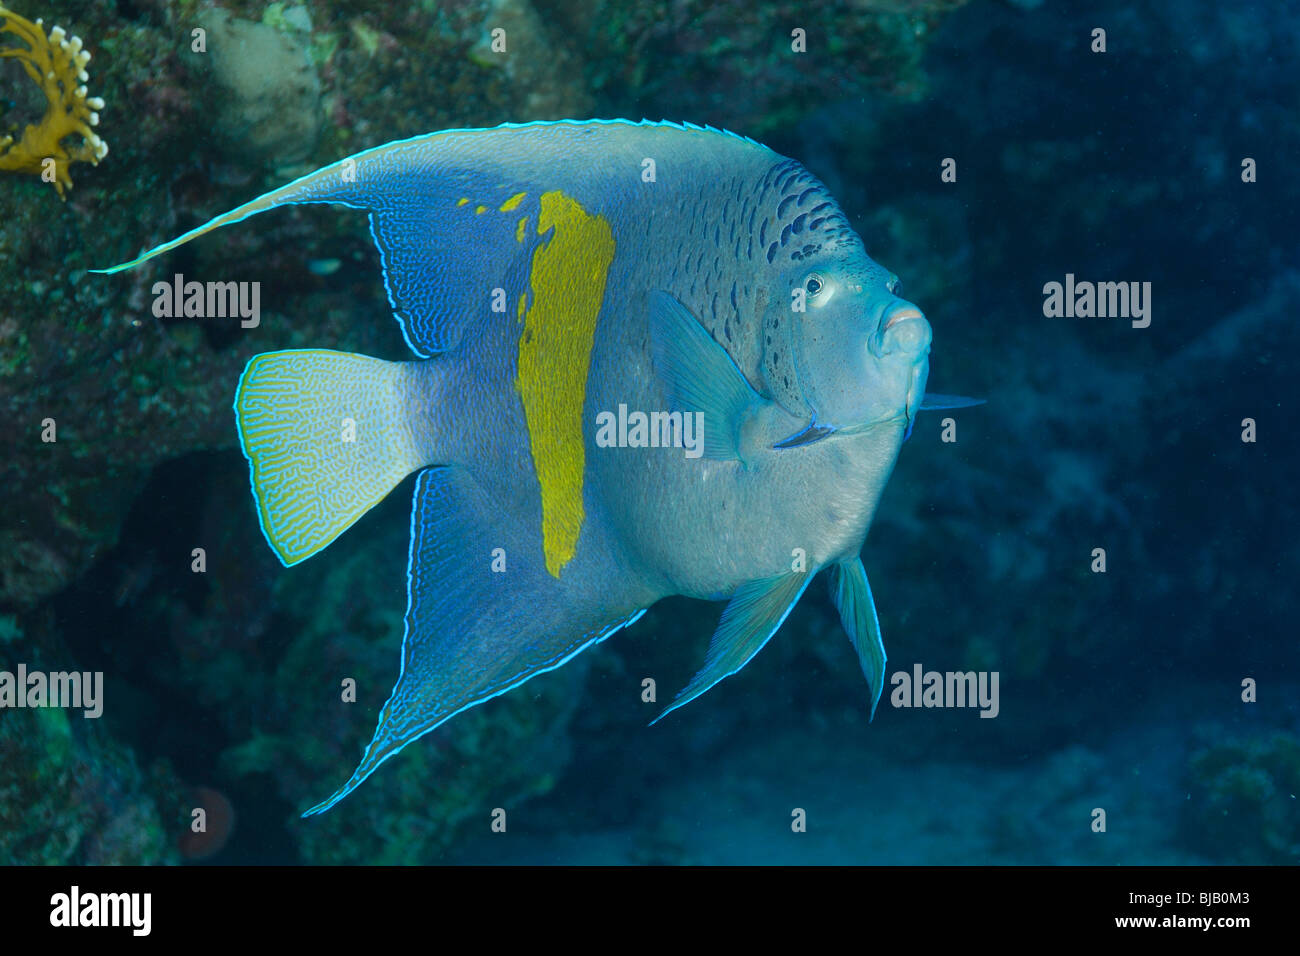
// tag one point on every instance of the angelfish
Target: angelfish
(543, 278)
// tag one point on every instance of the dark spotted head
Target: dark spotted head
(840, 348)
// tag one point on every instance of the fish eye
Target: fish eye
(814, 284)
(894, 286)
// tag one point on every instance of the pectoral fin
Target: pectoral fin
(749, 621)
(852, 596)
(934, 402)
(700, 375)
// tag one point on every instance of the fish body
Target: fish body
(550, 277)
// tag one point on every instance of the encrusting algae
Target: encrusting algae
(57, 64)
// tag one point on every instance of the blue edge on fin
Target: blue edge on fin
(402, 318)
(352, 784)
(685, 698)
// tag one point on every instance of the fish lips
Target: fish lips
(904, 332)
(905, 336)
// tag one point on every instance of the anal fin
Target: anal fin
(472, 633)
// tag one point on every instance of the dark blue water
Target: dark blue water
(1145, 713)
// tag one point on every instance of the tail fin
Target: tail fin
(327, 436)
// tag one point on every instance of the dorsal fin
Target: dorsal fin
(453, 210)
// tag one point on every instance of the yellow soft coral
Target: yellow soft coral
(57, 65)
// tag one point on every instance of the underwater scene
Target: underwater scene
(655, 432)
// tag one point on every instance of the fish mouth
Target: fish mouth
(902, 315)
(901, 330)
(905, 334)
